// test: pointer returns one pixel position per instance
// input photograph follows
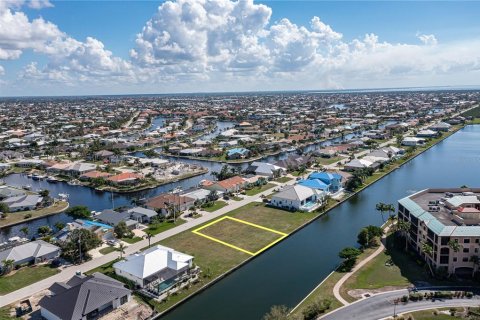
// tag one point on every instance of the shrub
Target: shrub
(316, 308)
(27, 216)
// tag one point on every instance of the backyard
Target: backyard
(258, 189)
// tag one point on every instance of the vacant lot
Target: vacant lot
(240, 235)
(257, 190)
(24, 277)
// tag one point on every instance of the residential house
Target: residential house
(23, 202)
(142, 215)
(125, 178)
(238, 153)
(357, 164)
(441, 126)
(332, 180)
(113, 218)
(157, 265)
(412, 141)
(297, 197)
(266, 169)
(84, 297)
(230, 185)
(427, 134)
(168, 203)
(30, 252)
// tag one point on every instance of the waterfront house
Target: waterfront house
(79, 168)
(427, 134)
(230, 185)
(84, 297)
(412, 141)
(166, 202)
(357, 164)
(113, 218)
(266, 169)
(142, 215)
(30, 252)
(125, 178)
(297, 197)
(332, 181)
(95, 175)
(157, 265)
(441, 126)
(200, 195)
(24, 202)
(238, 153)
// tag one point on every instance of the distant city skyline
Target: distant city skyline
(189, 46)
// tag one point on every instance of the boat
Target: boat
(52, 179)
(29, 175)
(27, 187)
(73, 182)
(177, 190)
(63, 195)
(35, 177)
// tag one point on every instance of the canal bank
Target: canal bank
(287, 272)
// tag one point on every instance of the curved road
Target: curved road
(381, 306)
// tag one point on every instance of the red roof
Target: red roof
(231, 182)
(125, 176)
(95, 174)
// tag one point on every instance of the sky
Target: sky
(134, 47)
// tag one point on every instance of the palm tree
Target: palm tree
(121, 249)
(148, 235)
(8, 265)
(24, 230)
(427, 249)
(454, 245)
(384, 207)
(476, 262)
(403, 227)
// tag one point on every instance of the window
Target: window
(476, 250)
(466, 240)
(123, 300)
(477, 240)
(465, 259)
(466, 250)
(454, 259)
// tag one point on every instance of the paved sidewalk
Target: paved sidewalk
(338, 285)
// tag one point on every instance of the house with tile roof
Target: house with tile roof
(230, 185)
(297, 198)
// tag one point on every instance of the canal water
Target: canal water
(290, 270)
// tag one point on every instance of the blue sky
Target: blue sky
(407, 27)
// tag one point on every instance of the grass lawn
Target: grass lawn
(24, 277)
(15, 217)
(283, 179)
(325, 161)
(5, 313)
(219, 204)
(132, 240)
(241, 235)
(163, 226)
(430, 315)
(257, 190)
(237, 198)
(107, 250)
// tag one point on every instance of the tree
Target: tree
(44, 193)
(25, 231)
(121, 230)
(349, 256)
(403, 227)
(148, 235)
(277, 313)
(59, 225)
(318, 307)
(353, 183)
(4, 208)
(212, 196)
(75, 248)
(121, 249)
(44, 231)
(454, 245)
(225, 173)
(384, 207)
(79, 212)
(368, 236)
(476, 262)
(7, 265)
(427, 249)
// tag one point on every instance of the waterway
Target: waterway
(290, 270)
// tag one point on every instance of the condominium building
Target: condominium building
(439, 217)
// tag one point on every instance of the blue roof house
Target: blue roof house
(333, 180)
(237, 153)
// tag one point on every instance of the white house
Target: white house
(157, 264)
(297, 197)
(412, 141)
(266, 169)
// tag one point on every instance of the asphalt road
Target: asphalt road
(381, 306)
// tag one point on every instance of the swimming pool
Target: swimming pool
(166, 284)
(95, 223)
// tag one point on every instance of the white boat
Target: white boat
(63, 195)
(73, 182)
(27, 187)
(52, 179)
(29, 175)
(177, 190)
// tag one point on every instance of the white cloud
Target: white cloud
(39, 4)
(427, 39)
(2, 71)
(228, 45)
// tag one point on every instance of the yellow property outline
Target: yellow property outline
(283, 235)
